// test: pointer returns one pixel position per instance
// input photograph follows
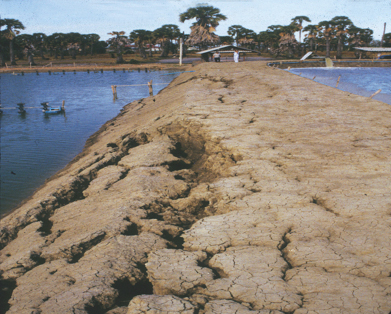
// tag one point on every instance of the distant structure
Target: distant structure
(378, 50)
(206, 54)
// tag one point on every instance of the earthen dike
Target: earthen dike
(239, 188)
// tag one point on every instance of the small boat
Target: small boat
(50, 110)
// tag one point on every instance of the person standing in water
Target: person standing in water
(236, 55)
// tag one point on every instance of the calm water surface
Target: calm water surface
(360, 81)
(35, 146)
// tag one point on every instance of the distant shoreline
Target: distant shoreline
(92, 67)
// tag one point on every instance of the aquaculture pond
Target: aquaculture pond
(363, 81)
(34, 146)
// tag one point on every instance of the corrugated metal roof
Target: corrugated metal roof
(373, 49)
(241, 49)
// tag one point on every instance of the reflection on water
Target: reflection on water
(360, 81)
(34, 146)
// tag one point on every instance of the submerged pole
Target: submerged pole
(150, 88)
(339, 77)
(374, 94)
(114, 89)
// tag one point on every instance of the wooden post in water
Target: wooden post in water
(74, 71)
(339, 77)
(50, 72)
(138, 70)
(114, 70)
(37, 72)
(123, 70)
(114, 89)
(63, 105)
(150, 88)
(146, 70)
(374, 94)
(63, 71)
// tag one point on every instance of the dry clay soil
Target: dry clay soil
(238, 189)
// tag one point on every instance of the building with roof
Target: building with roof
(206, 54)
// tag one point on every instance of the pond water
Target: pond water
(361, 81)
(35, 146)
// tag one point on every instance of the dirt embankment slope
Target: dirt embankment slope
(237, 189)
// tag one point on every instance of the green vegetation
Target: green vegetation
(338, 34)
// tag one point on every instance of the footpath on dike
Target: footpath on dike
(239, 188)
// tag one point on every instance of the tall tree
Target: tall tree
(341, 23)
(298, 20)
(267, 39)
(12, 29)
(139, 37)
(207, 19)
(26, 42)
(165, 35)
(236, 32)
(92, 39)
(312, 34)
(60, 42)
(327, 28)
(74, 43)
(40, 42)
(118, 42)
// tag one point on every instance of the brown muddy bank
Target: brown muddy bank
(238, 189)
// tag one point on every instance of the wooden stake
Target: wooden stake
(374, 94)
(114, 89)
(63, 105)
(313, 77)
(339, 77)
(150, 88)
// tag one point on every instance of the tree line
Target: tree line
(337, 34)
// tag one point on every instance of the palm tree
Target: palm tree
(359, 37)
(92, 39)
(13, 27)
(327, 28)
(267, 39)
(165, 35)
(236, 32)
(207, 19)
(341, 23)
(26, 42)
(118, 42)
(312, 34)
(288, 42)
(74, 43)
(60, 42)
(39, 42)
(139, 36)
(298, 20)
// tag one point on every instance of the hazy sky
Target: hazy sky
(104, 16)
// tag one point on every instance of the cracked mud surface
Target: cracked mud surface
(237, 189)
